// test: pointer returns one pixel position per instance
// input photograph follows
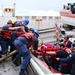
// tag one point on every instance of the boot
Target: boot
(17, 61)
(14, 56)
(22, 72)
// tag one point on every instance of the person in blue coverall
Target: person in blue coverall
(62, 53)
(67, 41)
(22, 43)
(6, 36)
(35, 46)
(70, 59)
(14, 35)
(24, 24)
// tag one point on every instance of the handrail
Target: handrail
(40, 68)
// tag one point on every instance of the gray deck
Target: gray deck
(8, 68)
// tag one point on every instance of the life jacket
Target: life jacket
(28, 35)
(66, 42)
(20, 33)
(6, 34)
(64, 64)
(56, 48)
(30, 44)
(64, 48)
(68, 50)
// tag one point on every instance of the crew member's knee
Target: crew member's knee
(16, 42)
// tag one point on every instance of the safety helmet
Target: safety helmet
(66, 37)
(36, 32)
(10, 22)
(26, 21)
(73, 44)
(61, 44)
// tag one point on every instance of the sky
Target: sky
(22, 5)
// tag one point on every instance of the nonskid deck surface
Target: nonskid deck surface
(8, 68)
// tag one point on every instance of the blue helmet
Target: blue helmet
(32, 29)
(26, 21)
(36, 32)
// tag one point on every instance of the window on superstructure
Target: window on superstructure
(63, 12)
(44, 17)
(6, 10)
(50, 18)
(60, 18)
(9, 10)
(33, 17)
(19, 17)
(57, 18)
(26, 17)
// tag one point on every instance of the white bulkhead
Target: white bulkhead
(39, 22)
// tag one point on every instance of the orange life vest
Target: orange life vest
(20, 33)
(6, 35)
(28, 35)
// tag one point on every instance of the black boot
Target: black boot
(22, 72)
(14, 56)
(17, 61)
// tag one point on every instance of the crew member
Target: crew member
(22, 44)
(63, 53)
(67, 41)
(35, 42)
(6, 36)
(70, 59)
(22, 23)
(17, 33)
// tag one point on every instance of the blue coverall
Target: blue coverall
(5, 42)
(21, 45)
(69, 44)
(70, 59)
(14, 33)
(65, 67)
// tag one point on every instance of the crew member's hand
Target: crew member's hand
(68, 50)
(57, 59)
(30, 35)
(32, 51)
